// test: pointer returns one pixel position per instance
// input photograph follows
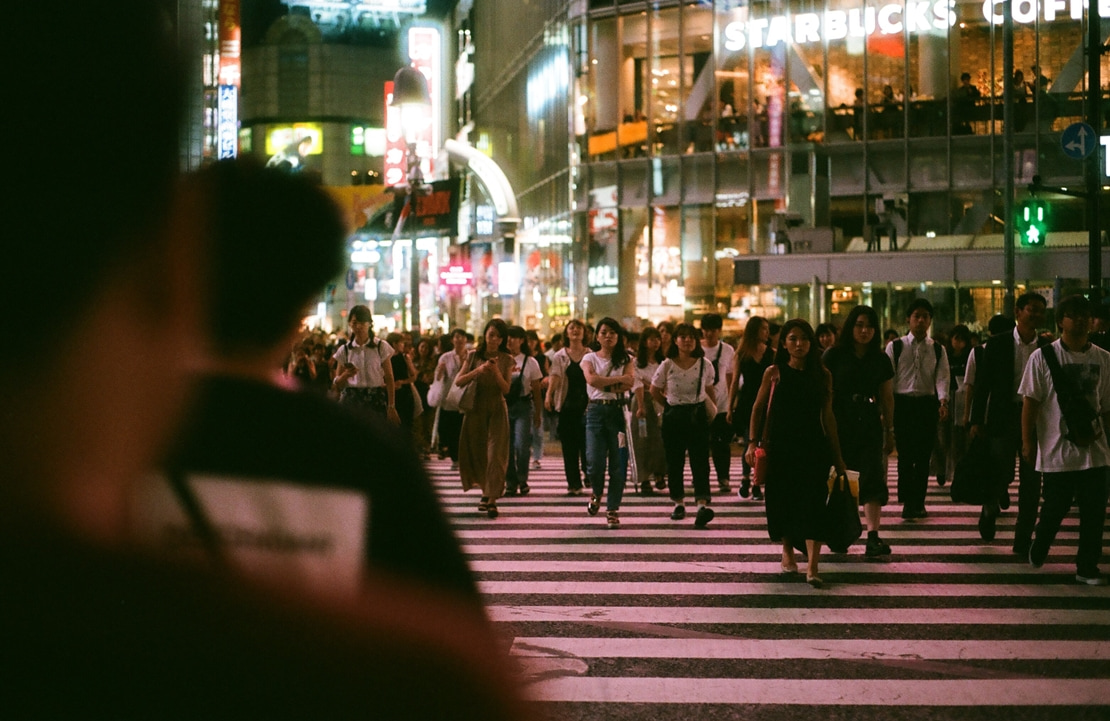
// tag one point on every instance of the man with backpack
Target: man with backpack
(1066, 392)
(723, 357)
(921, 376)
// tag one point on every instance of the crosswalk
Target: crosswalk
(659, 620)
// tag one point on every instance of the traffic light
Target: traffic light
(1032, 222)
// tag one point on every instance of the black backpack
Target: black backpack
(1077, 411)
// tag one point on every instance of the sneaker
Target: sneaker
(1036, 555)
(1091, 578)
(524, 488)
(704, 516)
(593, 506)
(536, 465)
(745, 488)
(678, 513)
(874, 548)
(612, 519)
(726, 487)
(757, 493)
(987, 518)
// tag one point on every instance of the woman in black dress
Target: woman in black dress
(753, 357)
(801, 445)
(863, 403)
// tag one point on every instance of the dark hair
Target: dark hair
(688, 330)
(643, 355)
(120, 213)
(815, 368)
(847, 339)
(711, 321)
(773, 328)
(515, 331)
(620, 355)
(1070, 307)
(919, 304)
(502, 329)
(1000, 324)
(750, 341)
(274, 235)
(825, 328)
(960, 332)
(666, 326)
(1026, 298)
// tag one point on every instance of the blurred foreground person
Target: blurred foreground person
(242, 477)
(90, 628)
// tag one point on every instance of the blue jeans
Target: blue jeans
(603, 424)
(521, 413)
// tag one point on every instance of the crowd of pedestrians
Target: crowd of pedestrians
(638, 407)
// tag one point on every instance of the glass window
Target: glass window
(733, 78)
(634, 76)
(602, 108)
(698, 81)
(698, 265)
(845, 79)
(665, 93)
(659, 291)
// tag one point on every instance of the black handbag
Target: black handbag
(972, 474)
(842, 522)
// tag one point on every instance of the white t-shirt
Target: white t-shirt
(451, 364)
(643, 378)
(530, 368)
(602, 367)
(726, 364)
(368, 360)
(1055, 453)
(680, 386)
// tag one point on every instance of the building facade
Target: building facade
(778, 158)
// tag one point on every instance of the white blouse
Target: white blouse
(680, 387)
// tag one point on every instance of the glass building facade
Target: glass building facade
(744, 157)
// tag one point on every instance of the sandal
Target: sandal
(483, 505)
(815, 581)
(491, 510)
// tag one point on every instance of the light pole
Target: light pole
(410, 94)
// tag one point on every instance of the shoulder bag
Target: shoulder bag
(462, 397)
(842, 523)
(1081, 418)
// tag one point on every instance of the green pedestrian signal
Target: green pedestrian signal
(1032, 222)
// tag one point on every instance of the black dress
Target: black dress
(751, 373)
(859, 425)
(798, 457)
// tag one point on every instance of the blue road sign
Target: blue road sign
(1078, 140)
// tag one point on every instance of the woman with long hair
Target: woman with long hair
(525, 410)
(753, 357)
(363, 372)
(651, 461)
(566, 395)
(404, 376)
(801, 445)
(681, 384)
(535, 349)
(863, 403)
(666, 335)
(484, 436)
(608, 372)
(424, 358)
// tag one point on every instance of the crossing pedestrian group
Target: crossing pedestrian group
(799, 407)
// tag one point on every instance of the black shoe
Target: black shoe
(1036, 555)
(1004, 501)
(757, 493)
(726, 487)
(941, 480)
(524, 488)
(660, 483)
(874, 548)
(745, 488)
(1021, 547)
(704, 516)
(908, 514)
(510, 492)
(678, 513)
(1092, 578)
(491, 510)
(987, 522)
(921, 513)
(593, 506)
(646, 489)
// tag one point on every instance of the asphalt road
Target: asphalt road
(659, 620)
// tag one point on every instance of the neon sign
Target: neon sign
(1025, 11)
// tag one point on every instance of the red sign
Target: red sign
(230, 34)
(456, 275)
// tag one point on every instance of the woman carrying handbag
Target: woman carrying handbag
(801, 445)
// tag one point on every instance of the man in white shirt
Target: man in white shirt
(920, 401)
(723, 358)
(1074, 466)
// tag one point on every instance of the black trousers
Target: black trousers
(915, 430)
(1005, 445)
(686, 430)
(720, 446)
(572, 436)
(450, 423)
(1087, 489)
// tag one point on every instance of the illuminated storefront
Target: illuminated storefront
(714, 132)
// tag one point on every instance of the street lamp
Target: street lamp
(410, 95)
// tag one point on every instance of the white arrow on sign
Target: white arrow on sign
(1081, 143)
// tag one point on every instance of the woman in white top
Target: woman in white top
(364, 375)
(651, 462)
(608, 372)
(450, 419)
(525, 410)
(681, 384)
